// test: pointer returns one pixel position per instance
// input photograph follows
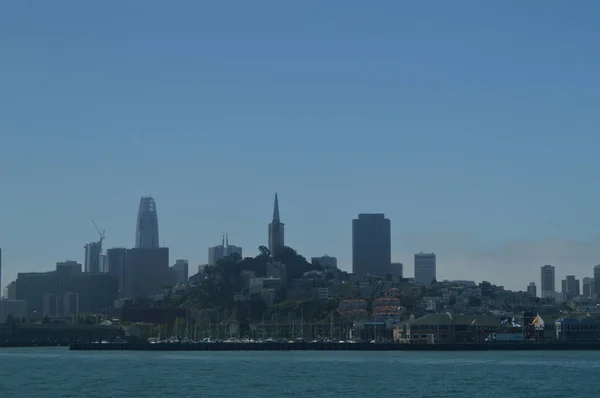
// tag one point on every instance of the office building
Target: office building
(588, 287)
(1, 269)
(93, 257)
(324, 261)
(276, 230)
(44, 291)
(224, 250)
(596, 286)
(180, 271)
(103, 263)
(146, 234)
(371, 245)
(532, 289)
(398, 270)
(117, 260)
(146, 272)
(570, 287)
(548, 281)
(70, 304)
(425, 268)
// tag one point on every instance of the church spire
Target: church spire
(276, 211)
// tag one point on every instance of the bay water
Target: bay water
(58, 372)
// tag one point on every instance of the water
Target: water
(57, 372)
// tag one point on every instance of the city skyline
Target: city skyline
(472, 127)
(148, 204)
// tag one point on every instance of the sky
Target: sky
(472, 125)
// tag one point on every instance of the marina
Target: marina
(329, 346)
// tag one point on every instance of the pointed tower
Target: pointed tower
(146, 232)
(276, 229)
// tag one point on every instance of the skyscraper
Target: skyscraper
(588, 287)
(596, 286)
(276, 229)
(548, 281)
(371, 245)
(1, 287)
(146, 234)
(222, 251)
(571, 287)
(93, 257)
(425, 268)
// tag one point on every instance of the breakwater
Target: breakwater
(143, 346)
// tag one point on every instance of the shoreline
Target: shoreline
(143, 346)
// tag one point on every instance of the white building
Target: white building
(325, 261)
(10, 291)
(425, 268)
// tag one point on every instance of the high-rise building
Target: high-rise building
(93, 257)
(146, 271)
(531, 289)
(548, 281)
(596, 286)
(0, 269)
(398, 270)
(371, 245)
(117, 260)
(570, 287)
(146, 234)
(588, 287)
(70, 304)
(425, 268)
(276, 230)
(180, 270)
(325, 261)
(103, 263)
(51, 307)
(224, 250)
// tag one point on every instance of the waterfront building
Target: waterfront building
(97, 291)
(16, 308)
(276, 229)
(371, 245)
(425, 268)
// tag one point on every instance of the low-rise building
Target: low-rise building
(446, 329)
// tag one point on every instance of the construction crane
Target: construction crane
(101, 233)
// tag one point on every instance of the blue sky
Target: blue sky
(472, 125)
